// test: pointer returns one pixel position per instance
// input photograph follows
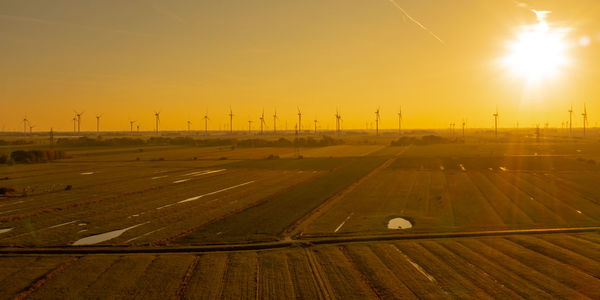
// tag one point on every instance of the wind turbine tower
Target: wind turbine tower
(315, 126)
(206, 123)
(131, 126)
(75, 124)
(585, 118)
(400, 121)
(262, 121)
(464, 124)
(299, 120)
(25, 125)
(496, 122)
(78, 115)
(571, 121)
(189, 124)
(157, 119)
(230, 120)
(275, 122)
(377, 121)
(98, 123)
(338, 118)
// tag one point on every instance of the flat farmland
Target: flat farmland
(165, 206)
(467, 193)
(339, 151)
(508, 267)
(516, 221)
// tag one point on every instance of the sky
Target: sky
(439, 60)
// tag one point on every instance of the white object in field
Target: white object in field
(399, 223)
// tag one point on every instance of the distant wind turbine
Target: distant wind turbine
(496, 122)
(275, 122)
(377, 122)
(400, 121)
(299, 120)
(585, 118)
(25, 121)
(262, 121)
(230, 120)
(75, 124)
(78, 115)
(571, 121)
(206, 123)
(98, 122)
(338, 119)
(157, 119)
(131, 126)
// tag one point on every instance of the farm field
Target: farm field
(514, 221)
(509, 267)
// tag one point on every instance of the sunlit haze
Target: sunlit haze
(441, 61)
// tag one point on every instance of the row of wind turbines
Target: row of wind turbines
(298, 126)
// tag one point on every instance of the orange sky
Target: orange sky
(126, 59)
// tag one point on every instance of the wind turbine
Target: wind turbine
(377, 121)
(230, 120)
(496, 122)
(75, 124)
(275, 122)
(206, 123)
(571, 121)
(131, 126)
(189, 123)
(98, 122)
(464, 124)
(315, 126)
(157, 117)
(249, 127)
(31, 128)
(262, 121)
(25, 121)
(585, 118)
(400, 121)
(338, 118)
(299, 120)
(78, 115)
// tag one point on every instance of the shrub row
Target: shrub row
(424, 140)
(188, 141)
(35, 156)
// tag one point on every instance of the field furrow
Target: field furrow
(240, 278)
(384, 282)
(345, 280)
(456, 284)
(207, 279)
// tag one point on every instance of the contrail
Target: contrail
(405, 14)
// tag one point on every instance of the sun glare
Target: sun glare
(539, 50)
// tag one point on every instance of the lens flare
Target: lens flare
(539, 51)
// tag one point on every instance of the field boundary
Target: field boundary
(297, 228)
(307, 242)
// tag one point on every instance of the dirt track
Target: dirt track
(306, 242)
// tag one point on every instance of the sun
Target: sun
(539, 51)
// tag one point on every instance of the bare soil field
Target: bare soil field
(510, 267)
(511, 220)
